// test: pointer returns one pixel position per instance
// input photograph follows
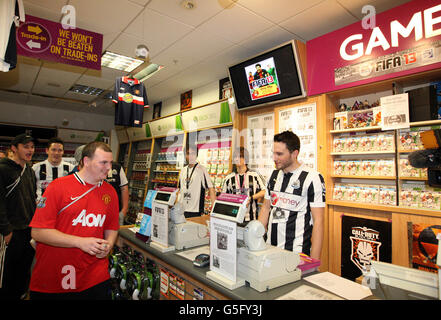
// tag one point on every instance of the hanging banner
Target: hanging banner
(137, 133)
(47, 40)
(363, 240)
(165, 126)
(207, 117)
(394, 43)
(302, 120)
(78, 136)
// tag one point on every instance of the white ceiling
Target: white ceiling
(195, 46)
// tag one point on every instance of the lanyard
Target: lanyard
(191, 175)
(77, 198)
(242, 188)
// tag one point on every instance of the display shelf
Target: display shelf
(364, 177)
(378, 207)
(167, 161)
(360, 153)
(425, 123)
(413, 178)
(373, 128)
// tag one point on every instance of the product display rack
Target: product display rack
(215, 154)
(400, 215)
(138, 176)
(167, 161)
(402, 181)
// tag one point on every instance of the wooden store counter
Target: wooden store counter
(193, 281)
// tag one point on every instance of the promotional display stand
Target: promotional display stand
(160, 220)
(227, 212)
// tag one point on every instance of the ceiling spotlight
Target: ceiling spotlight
(188, 4)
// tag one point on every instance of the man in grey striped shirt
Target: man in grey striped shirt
(53, 167)
(293, 209)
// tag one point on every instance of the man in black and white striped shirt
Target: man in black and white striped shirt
(53, 167)
(244, 181)
(293, 209)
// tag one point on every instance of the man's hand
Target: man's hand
(94, 246)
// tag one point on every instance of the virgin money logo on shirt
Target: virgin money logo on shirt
(285, 201)
(89, 220)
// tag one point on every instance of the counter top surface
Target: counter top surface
(186, 266)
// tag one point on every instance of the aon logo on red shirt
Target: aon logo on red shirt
(89, 220)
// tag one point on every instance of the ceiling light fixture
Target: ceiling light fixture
(78, 88)
(120, 62)
(147, 72)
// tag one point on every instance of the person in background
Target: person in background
(75, 227)
(118, 179)
(9, 153)
(17, 207)
(53, 167)
(244, 181)
(194, 180)
(3, 154)
(294, 205)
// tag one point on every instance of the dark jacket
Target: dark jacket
(17, 208)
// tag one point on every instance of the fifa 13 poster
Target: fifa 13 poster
(363, 240)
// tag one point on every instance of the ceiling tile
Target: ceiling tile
(79, 96)
(202, 11)
(21, 78)
(96, 82)
(157, 30)
(55, 79)
(278, 10)
(332, 16)
(141, 2)
(125, 44)
(41, 101)
(104, 16)
(195, 47)
(236, 24)
(14, 97)
(355, 6)
(268, 39)
(45, 9)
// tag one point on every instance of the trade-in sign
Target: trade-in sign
(43, 39)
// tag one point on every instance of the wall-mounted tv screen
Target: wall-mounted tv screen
(269, 77)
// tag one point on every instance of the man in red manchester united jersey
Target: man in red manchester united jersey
(75, 226)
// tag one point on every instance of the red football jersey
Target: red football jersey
(61, 270)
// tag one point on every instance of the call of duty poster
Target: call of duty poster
(363, 240)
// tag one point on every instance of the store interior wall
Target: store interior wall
(205, 94)
(51, 117)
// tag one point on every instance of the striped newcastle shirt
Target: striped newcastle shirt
(45, 173)
(291, 196)
(249, 184)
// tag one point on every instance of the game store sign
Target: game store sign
(401, 41)
(43, 39)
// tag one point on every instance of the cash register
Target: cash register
(262, 265)
(182, 234)
(185, 234)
